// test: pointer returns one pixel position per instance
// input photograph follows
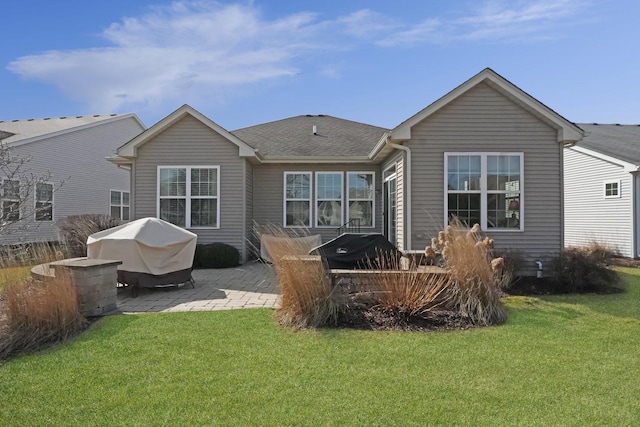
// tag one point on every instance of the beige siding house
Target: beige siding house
(484, 153)
(68, 153)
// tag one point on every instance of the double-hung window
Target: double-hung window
(44, 201)
(188, 196)
(360, 197)
(297, 199)
(10, 200)
(328, 199)
(119, 204)
(485, 189)
(612, 189)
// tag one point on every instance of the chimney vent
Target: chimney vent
(315, 130)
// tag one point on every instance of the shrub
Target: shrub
(216, 255)
(74, 231)
(306, 290)
(584, 269)
(474, 272)
(36, 314)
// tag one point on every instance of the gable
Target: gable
(566, 131)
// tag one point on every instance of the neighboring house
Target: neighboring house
(602, 188)
(70, 153)
(486, 153)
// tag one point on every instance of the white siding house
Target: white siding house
(601, 177)
(70, 152)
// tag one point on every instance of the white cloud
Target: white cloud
(189, 51)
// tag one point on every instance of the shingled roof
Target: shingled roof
(618, 141)
(16, 131)
(294, 137)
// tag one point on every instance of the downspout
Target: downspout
(407, 182)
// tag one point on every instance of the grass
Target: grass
(12, 275)
(559, 360)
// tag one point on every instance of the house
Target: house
(486, 153)
(66, 157)
(602, 188)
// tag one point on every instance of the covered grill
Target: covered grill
(153, 252)
(351, 251)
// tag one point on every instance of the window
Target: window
(297, 199)
(119, 205)
(188, 196)
(360, 197)
(612, 189)
(485, 188)
(10, 200)
(328, 199)
(44, 201)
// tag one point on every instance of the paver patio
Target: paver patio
(251, 285)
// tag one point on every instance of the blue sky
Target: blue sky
(377, 62)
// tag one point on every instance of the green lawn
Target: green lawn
(562, 360)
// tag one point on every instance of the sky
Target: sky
(249, 62)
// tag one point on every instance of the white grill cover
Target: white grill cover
(147, 245)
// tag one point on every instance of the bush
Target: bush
(216, 255)
(74, 231)
(34, 315)
(584, 269)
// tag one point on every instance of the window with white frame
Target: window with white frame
(119, 204)
(297, 199)
(485, 189)
(10, 200)
(188, 196)
(361, 197)
(612, 189)
(328, 199)
(44, 201)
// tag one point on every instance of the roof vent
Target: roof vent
(315, 130)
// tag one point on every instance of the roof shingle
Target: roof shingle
(618, 141)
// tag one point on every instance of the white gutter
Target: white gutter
(407, 182)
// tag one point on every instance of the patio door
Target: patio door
(390, 206)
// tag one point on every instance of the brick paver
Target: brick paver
(252, 285)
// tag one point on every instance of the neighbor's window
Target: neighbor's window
(188, 196)
(119, 205)
(612, 189)
(485, 189)
(10, 200)
(297, 199)
(361, 197)
(328, 199)
(44, 201)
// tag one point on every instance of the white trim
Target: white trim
(385, 202)
(187, 197)
(284, 198)
(341, 200)
(121, 206)
(566, 131)
(483, 191)
(35, 201)
(628, 167)
(372, 199)
(130, 149)
(618, 183)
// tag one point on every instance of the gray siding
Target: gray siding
(81, 175)
(483, 120)
(398, 161)
(251, 239)
(268, 194)
(589, 216)
(191, 143)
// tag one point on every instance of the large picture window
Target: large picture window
(297, 199)
(328, 199)
(188, 196)
(44, 201)
(119, 204)
(360, 197)
(10, 200)
(485, 189)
